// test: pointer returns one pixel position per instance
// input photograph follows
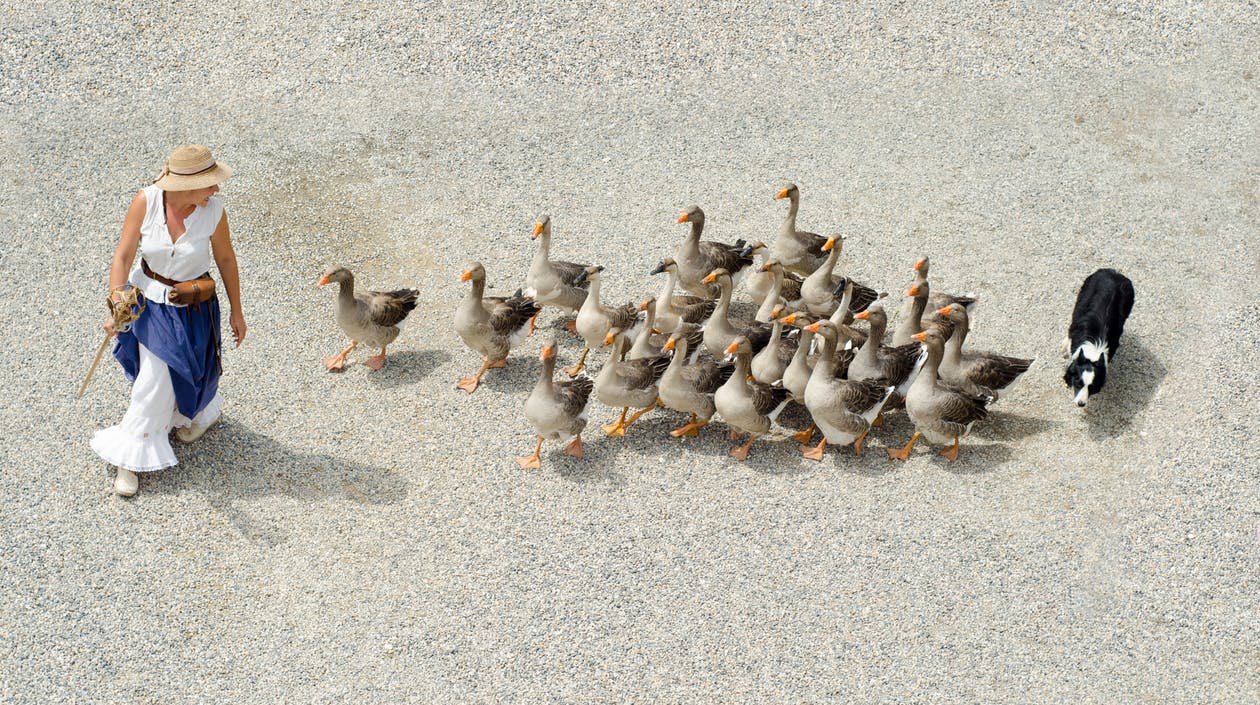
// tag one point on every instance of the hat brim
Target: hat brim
(206, 179)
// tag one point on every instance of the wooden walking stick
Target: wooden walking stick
(124, 312)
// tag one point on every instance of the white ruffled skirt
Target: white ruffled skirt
(141, 441)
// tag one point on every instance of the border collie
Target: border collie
(1103, 304)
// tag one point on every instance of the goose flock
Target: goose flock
(684, 350)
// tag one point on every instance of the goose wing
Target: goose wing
(707, 376)
(766, 397)
(726, 256)
(568, 272)
(693, 309)
(642, 372)
(508, 315)
(897, 363)
(996, 371)
(573, 394)
(813, 243)
(623, 316)
(863, 296)
(954, 404)
(791, 289)
(862, 395)
(389, 308)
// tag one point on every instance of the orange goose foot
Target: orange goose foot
(618, 428)
(691, 429)
(804, 436)
(531, 462)
(903, 453)
(741, 452)
(857, 444)
(814, 452)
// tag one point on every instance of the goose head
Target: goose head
(666, 265)
(692, 215)
(789, 190)
(921, 267)
(473, 272)
(335, 274)
(931, 339)
(756, 247)
(719, 276)
(875, 315)
(542, 226)
(833, 242)
(738, 346)
(588, 274)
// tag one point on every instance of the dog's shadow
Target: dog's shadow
(232, 464)
(1133, 379)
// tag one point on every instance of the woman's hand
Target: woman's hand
(237, 321)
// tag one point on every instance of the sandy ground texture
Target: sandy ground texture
(366, 537)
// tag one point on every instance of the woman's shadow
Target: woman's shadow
(232, 463)
(1133, 379)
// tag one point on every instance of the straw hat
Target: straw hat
(190, 167)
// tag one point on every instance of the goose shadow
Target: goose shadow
(518, 376)
(1008, 426)
(233, 463)
(975, 459)
(408, 367)
(1133, 379)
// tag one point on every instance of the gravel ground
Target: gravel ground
(366, 537)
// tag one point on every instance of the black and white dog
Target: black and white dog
(1103, 304)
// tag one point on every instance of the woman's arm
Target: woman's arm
(125, 253)
(225, 258)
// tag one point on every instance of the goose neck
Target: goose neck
(667, 292)
(794, 204)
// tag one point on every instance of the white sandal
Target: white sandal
(191, 432)
(126, 483)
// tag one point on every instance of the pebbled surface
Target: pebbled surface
(366, 536)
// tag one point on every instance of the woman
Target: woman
(171, 352)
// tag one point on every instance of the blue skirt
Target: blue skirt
(187, 339)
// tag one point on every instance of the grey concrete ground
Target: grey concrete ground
(366, 537)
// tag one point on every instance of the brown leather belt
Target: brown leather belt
(148, 271)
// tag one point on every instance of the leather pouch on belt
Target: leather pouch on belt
(193, 291)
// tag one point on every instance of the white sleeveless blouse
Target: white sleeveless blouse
(186, 258)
